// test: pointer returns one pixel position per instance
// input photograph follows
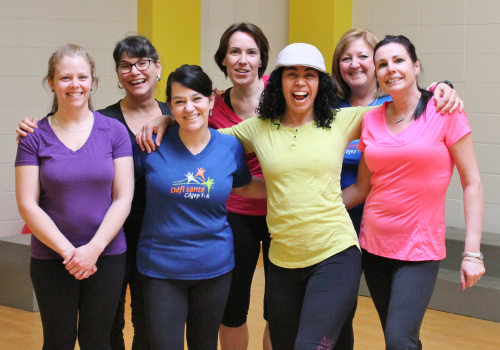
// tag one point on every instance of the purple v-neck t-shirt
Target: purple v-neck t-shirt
(76, 186)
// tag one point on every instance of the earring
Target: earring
(52, 90)
(210, 113)
(158, 77)
(120, 86)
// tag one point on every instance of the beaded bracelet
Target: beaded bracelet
(473, 261)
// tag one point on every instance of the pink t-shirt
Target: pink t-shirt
(223, 117)
(404, 215)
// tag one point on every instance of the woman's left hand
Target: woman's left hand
(83, 262)
(447, 99)
(471, 272)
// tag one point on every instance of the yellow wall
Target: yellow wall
(174, 28)
(320, 23)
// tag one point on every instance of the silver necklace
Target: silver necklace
(399, 120)
(74, 130)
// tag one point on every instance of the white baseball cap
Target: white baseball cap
(300, 54)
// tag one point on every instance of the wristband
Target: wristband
(479, 255)
(445, 82)
(474, 261)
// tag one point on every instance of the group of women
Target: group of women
(181, 266)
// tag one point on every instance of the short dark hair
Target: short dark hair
(192, 77)
(134, 46)
(273, 105)
(410, 49)
(257, 35)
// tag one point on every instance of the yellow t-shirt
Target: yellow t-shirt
(306, 216)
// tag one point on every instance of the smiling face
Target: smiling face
(190, 108)
(300, 87)
(356, 65)
(72, 82)
(242, 59)
(139, 83)
(395, 69)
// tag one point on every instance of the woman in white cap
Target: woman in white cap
(313, 277)
(315, 267)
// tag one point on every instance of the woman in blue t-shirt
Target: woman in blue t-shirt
(185, 251)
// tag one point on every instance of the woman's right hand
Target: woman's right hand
(144, 137)
(25, 126)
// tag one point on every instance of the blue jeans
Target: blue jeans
(308, 306)
(401, 292)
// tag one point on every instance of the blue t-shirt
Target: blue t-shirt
(185, 234)
(352, 155)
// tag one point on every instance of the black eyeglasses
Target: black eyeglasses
(141, 65)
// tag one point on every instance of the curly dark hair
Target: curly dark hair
(272, 103)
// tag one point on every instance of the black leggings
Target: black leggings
(308, 306)
(132, 279)
(173, 304)
(248, 232)
(401, 292)
(70, 308)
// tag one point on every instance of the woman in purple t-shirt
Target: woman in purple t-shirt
(74, 186)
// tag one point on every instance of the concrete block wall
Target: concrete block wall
(456, 40)
(217, 15)
(31, 31)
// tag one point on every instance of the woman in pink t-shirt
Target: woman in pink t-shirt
(409, 152)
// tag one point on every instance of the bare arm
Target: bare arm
(123, 191)
(356, 193)
(254, 189)
(42, 226)
(465, 159)
(158, 126)
(447, 99)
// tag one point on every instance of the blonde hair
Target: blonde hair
(370, 38)
(70, 50)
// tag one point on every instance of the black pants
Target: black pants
(173, 304)
(307, 306)
(132, 278)
(346, 336)
(401, 292)
(248, 232)
(72, 309)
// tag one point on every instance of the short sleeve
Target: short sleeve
(242, 175)
(244, 132)
(139, 159)
(361, 142)
(349, 121)
(456, 128)
(122, 147)
(27, 150)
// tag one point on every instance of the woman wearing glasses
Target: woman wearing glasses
(138, 68)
